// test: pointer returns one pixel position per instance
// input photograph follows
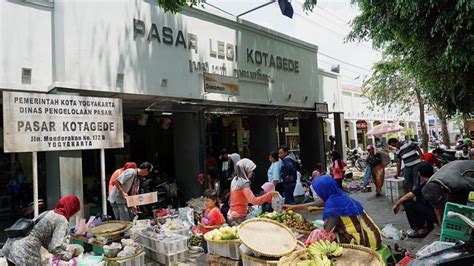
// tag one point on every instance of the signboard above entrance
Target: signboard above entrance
(46, 122)
(221, 84)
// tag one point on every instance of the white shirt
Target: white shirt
(299, 189)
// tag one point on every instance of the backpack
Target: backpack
(22, 227)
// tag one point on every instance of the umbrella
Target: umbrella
(385, 128)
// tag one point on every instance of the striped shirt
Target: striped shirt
(408, 153)
(359, 230)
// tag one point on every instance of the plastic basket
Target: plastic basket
(433, 247)
(165, 247)
(170, 259)
(453, 228)
(228, 250)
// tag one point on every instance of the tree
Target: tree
(390, 86)
(432, 38)
(175, 6)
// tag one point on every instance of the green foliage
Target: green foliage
(175, 6)
(409, 132)
(433, 41)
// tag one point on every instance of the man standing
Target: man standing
(227, 165)
(288, 173)
(127, 183)
(410, 154)
(420, 213)
(452, 183)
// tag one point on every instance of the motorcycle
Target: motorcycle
(356, 158)
(462, 253)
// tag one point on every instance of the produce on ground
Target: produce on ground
(223, 233)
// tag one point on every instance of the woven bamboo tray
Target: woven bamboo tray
(268, 261)
(353, 255)
(114, 261)
(110, 228)
(267, 238)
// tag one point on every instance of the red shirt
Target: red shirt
(431, 159)
(212, 217)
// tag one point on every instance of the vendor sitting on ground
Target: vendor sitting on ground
(345, 217)
(241, 194)
(213, 217)
(49, 232)
(420, 213)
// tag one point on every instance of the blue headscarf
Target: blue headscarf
(336, 202)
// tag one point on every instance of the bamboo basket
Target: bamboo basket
(263, 250)
(96, 230)
(354, 255)
(266, 261)
(114, 261)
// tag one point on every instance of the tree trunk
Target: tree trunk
(466, 125)
(424, 131)
(444, 126)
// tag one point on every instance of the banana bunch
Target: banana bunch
(317, 257)
(330, 249)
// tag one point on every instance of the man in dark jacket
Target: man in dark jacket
(452, 183)
(288, 173)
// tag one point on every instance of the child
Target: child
(213, 217)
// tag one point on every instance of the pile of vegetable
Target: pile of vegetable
(223, 233)
(291, 219)
(321, 252)
(196, 241)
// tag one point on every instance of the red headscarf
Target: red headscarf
(68, 206)
(129, 165)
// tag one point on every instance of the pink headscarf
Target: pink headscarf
(268, 187)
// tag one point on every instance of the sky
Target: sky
(325, 27)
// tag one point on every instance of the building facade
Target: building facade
(191, 84)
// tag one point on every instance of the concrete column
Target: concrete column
(339, 132)
(354, 141)
(64, 177)
(312, 142)
(189, 159)
(281, 130)
(263, 140)
(64, 173)
(370, 125)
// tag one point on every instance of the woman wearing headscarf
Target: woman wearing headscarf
(49, 232)
(241, 194)
(118, 172)
(345, 217)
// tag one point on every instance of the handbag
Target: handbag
(22, 227)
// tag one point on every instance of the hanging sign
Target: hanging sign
(51, 122)
(221, 84)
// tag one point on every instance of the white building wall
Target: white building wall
(25, 42)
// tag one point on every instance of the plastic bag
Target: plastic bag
(277, 203)
(391, 232)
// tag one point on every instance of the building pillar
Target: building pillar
(354, 140)
(370, 125)
(64, 173)
(281, 130)
(339, 132)
(189, 152)
(263, 140)
(312, 142)
(64, 177)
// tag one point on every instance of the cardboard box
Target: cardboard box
(142, 199)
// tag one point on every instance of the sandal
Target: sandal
(421, 233)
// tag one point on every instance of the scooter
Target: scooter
(462, 253)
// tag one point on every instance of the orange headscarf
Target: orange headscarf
(68, 206)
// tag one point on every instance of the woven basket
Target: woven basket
(360, 256)
(206, 237)
(114, 261)
(262, 252)
(268, 261)
(96, 232)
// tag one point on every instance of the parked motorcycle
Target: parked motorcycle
(356, 158)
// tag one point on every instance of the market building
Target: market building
(191, 84)
(360, 115)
